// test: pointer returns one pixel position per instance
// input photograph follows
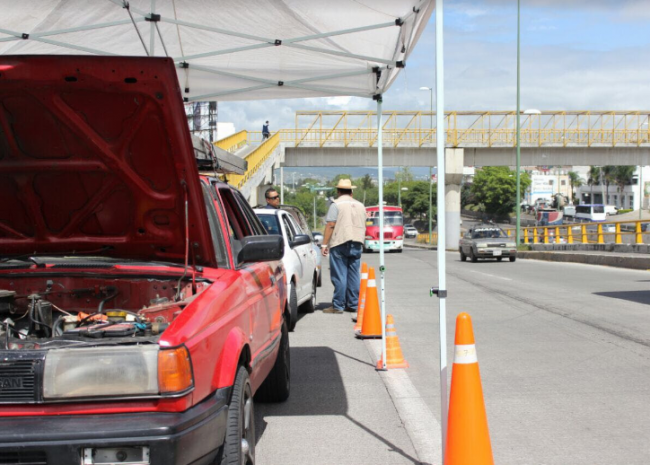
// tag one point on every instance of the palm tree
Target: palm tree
(575, 181)
(593, 179)
(623, 177)
(366, 182)
(608, 173)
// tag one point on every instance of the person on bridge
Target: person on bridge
(265, 131)
(343, 241)
(272, 198)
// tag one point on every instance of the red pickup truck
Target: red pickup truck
(142, 306)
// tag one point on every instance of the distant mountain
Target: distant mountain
(328, 173)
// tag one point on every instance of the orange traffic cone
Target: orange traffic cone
(371, 324)
(468, 437)
(394, 357)
(358, 317)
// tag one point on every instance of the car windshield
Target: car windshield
(488, 234)
(388, 221)
(270, 223)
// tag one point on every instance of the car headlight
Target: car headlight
(399, 237)
(116, 372)
(369, 238)
(481, 246)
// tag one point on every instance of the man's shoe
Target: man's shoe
(350, 309)
(333, 310)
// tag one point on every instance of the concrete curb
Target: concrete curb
(421, 246)
(635, 263)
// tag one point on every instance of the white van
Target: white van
(591, 213)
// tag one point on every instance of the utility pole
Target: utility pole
(314, 211)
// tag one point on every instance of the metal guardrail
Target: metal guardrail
(234, 142)
(255, 160)
(620, 232)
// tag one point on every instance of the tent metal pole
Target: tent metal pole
(338, 33)
(382, 268)
(344, 54)
(152, 29)
(442, 239)
(282, 185)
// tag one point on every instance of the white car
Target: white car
(410, 231)
(611, 210)
(300, 260)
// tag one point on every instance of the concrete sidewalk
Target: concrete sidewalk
(341, 410)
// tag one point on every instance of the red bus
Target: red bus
(393, 229)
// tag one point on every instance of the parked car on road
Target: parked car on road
(410, 231)
(611, 210)
(487, 241)
(300, 257)
(142, 305)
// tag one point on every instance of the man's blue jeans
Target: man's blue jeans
(345, 264)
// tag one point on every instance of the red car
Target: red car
(141, 305)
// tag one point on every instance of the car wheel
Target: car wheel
(463, 257)
(512, 259)
(310, 305)
(239, 446)
(472, 257)
(293, 307)
(399, 250)
(499, 259)
(277, 385)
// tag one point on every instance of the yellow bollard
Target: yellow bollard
(618, 239)
(557, 235)
(583, 230)
(601, 238)
(638, 233)
(526, 236)
(569, 234)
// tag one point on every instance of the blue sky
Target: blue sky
(576, 55)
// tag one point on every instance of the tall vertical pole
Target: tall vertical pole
(518, 201)
(382, 268)
(314, 211)
(442, 239)
(430, 201)
(282, 185)
(641, 192)
(430, 170)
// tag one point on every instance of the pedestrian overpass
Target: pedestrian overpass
(349, 138)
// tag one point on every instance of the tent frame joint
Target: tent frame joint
(153, 17)
(25, 36)
(441, 293)
(277, 42)
(400, 64)
(399, 22)
(378, 98)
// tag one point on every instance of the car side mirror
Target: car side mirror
(317, 239)
(300, 239)
(261, 248)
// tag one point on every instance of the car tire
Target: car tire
(399, 250)
(293, 307)
(512, 259)
(310, 305)
(463, 257)
(277, 385)
(472, 257)
(499, 259)
(239, 445)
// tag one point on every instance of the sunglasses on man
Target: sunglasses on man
(273, 198)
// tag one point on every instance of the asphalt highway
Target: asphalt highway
(564, 354)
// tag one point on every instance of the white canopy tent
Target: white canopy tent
(252, 50)
(229, 49)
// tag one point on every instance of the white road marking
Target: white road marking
(420, 424)
(491, 275)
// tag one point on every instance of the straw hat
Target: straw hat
(345, 184)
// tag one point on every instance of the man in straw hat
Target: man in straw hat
(345, 232)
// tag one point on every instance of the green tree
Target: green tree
(623, 176)
(365, 182)
(593, 179)
(608, 176)
(415, 201)
(338, 177)
(575, 181)
(496, 186)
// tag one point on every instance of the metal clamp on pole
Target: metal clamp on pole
(441, 293)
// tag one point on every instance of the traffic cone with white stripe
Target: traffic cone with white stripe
(358, 317)
(371, 324)
(468, 437)
(394, 357)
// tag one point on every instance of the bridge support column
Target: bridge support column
(454, 159)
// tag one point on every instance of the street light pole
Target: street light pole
(518, 202)
(430, 169)
(314, 211)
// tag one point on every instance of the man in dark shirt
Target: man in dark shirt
(265, 131)
(272, 198)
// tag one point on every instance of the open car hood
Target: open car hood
(95, 154)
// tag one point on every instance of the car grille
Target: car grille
(23, 458)
(18, 382)
(388, 235)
